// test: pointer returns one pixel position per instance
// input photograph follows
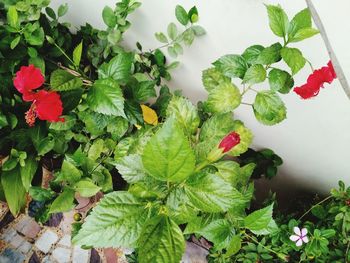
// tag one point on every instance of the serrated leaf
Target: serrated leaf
(268, 108)
(13, 189)
(131, 168)
(294, 59)
(304, 33)
(255, 74)
(234, 246)
(171, 149)
(116, 221)
(224, 98)
(109, 17)
(261, 222)
(69, 123)
(233, 66)
(278, 20)
(118, 68)
(212, 78)
(219, 232)
(252, 53)
(28, 171)
(106, 97)
(185, 114)
(209, 193)
(246, 137)
(86, 188)
(41, 194)
(161, 37)
(270, 55)
(77, 54)
(280, 81)
(300, 20)
(161, 241)
(181, 15)
(69, 172)
(64, 202)
(172, 31)
(61, 80)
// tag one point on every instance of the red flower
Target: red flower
(230, 141)
(28, 79)
(316, 81)
(47, 106)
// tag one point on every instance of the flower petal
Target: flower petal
(48, 106)
(297, 231)
(230, 141)
(294, 238)
(305, 239)
(299, 243)
(303, 232)
(28, 78)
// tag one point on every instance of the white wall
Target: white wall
(315, 139)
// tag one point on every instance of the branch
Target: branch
(340, 73)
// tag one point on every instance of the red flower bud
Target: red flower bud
(230, 141)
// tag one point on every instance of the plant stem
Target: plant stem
(257, 242)
(245, 103)
(312, 207)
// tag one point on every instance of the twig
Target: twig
(312, 207)
(338, 69)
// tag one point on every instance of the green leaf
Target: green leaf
(96, 149)
(255, 74)
(268, 108)
(49, 11)
(224, 98)
(171, 149)
(209, 193)
(28, 171)
(219, 232)
(38, 62)
(304, 33)
(77, 54)
(15, 42)
(280, 80)
(193, 14)
(3, 121)
(45, 145)
(69, 123)
(10, 164)
(178, 49)
(185, 114)
(252, 53)
(61, 80)
(188, 36)
(106, 97)
(261, 221)
(118, 68)
(294, 59)
(131, 168)
(212, 78)
(64, 202)
(69, 172)
(172, 31)
(86, 188)
(233, 66)
(278, 20)
(14, 191)
(71, 99)
(161, 37)
(12, 17)
(161, 241)
(246, 137)
(234, 246)
(300, 21)
(118, 127)
(41, 194)
(198, 30)
(181, 15)
(109, 17)
(172, 52)
(270, 54)
(116, 221)
(144, 90)
(62, 10)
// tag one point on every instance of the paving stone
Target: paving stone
(45, 242)
(54, 220)
(34, 258)
(61, 255)
(94, 257)
(65, 241)
(25, 247)
(47, 260)
(3, 209)
(111, 255)
(31, 229)
(23, 221)
(8, 234)
(80, 255)
(17, 241)
(6, 220)
(11, 256)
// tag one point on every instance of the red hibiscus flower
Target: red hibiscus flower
(47, 106)
(28, 79)
(230, 141)
(316, 81)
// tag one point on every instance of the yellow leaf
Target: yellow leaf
(149, 115)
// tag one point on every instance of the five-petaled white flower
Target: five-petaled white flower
(300, 236)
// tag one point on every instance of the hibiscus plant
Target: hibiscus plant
(79, 104)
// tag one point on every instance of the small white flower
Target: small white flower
(300, 236)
